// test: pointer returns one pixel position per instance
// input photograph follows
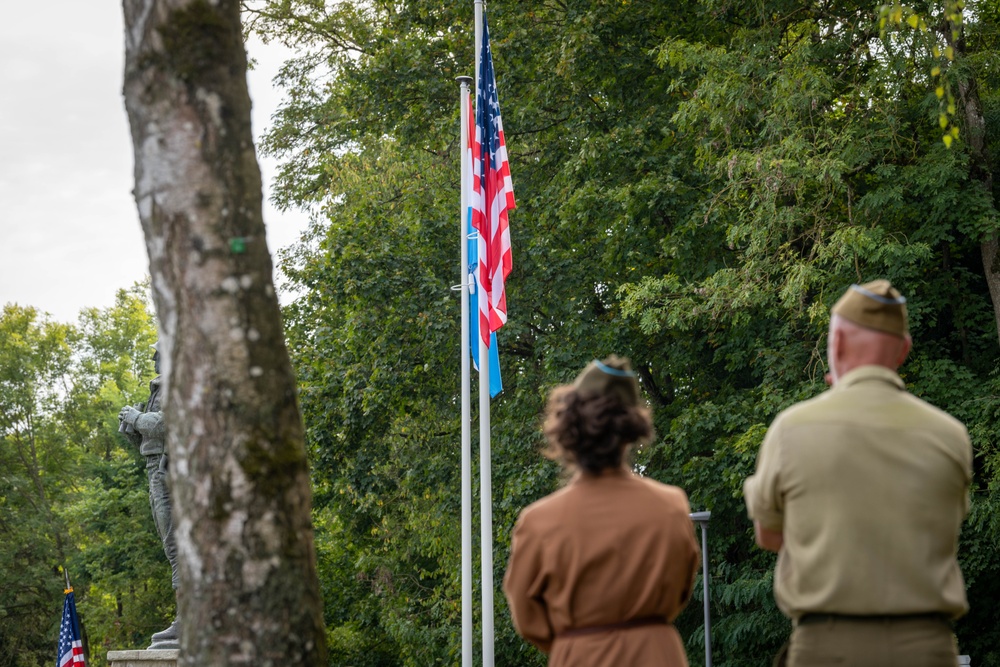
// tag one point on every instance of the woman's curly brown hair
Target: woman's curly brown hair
(592, 432)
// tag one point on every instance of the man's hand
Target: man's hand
(769, 540)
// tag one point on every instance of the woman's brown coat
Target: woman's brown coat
(604, 550)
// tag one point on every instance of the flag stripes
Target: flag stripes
(496, 383)
(492, 198)
(70, 651)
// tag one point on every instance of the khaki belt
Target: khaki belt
(624, 625)
(808, 619)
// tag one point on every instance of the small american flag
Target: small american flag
(70, 644)
(492, 198)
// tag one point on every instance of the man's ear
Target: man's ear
(904, 350)
(837, 342)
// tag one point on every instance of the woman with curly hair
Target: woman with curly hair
(599, 570)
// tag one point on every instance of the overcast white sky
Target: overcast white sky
(69, 231)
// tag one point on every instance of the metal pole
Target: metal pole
(485, 500)
(479, 38)
(485, 475)
(464, 82)
(702, 518)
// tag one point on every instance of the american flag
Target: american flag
(492, 198)
(70, 644)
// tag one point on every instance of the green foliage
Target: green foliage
(122, 576)
(70, 495)
(35, 358)
(696, 184)
(927, 38)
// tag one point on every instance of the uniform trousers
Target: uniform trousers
(887, 641)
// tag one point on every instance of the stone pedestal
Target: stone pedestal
(166, 658)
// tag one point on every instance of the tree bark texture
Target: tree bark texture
(979, 168)
(980, 172)
(248, 587)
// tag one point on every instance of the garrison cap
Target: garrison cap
(876, 305)
(614, 375)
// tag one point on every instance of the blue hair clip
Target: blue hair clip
(614, 371)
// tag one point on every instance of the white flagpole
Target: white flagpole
(465, 162)
(485, 474)
(486, 501)
(479, 38)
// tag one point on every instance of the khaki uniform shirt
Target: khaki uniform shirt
(869, 486)
(605, 549)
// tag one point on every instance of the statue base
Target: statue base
(161, 658)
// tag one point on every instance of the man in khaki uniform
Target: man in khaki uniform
(862, 492)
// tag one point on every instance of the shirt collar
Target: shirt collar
(871, 373)
(581, 476)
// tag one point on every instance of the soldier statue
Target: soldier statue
(144, 427)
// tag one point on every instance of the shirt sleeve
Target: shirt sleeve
(967, 469)
(524, 586)
(762, 490)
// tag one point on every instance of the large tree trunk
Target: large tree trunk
(980, 171)
(979, 167)
(248, 587)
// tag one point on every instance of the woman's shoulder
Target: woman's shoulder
(549, 515)
(546, 505)
(669, 493)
